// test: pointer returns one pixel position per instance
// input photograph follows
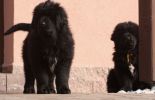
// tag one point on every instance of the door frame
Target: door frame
(147, 40)
(1, 34)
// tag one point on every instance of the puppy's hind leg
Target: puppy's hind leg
(29, 81)
(112, 82)
(29, 76)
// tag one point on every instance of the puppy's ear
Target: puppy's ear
(61, 19)
(113, 36)
(116, 33)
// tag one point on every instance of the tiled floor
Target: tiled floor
(77, 97)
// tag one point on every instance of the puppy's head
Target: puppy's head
(125, 36)
(49, 19)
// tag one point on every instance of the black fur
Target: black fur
(125, 38)
(48, 49)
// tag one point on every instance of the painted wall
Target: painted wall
(92, 23)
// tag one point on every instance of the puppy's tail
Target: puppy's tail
(17, 27)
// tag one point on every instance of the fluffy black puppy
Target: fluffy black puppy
(124, 75)
(48, 49)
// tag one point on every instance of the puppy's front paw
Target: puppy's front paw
(52, 91)
(43, 91)
(63, 90)
(29, 90)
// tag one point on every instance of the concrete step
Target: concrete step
(76, 97)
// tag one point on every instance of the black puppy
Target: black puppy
(48, 49)
(124, 75)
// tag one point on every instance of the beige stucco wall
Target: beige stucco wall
(92, 23)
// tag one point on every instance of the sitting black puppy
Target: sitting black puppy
(124, 75)
(48, 49)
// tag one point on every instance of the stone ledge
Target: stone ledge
(2, 83)
(7, 68)
(88, 79)
(82, 80)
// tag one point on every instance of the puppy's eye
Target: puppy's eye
(129, 37)
(43, 23)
